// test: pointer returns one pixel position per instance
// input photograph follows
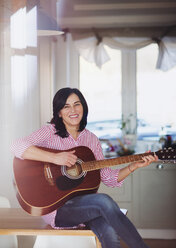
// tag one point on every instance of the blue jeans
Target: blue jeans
(103, 216)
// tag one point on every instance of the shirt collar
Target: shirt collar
(80, 135)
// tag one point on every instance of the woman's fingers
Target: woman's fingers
(149, 159)
(71, 159)
(65, 158)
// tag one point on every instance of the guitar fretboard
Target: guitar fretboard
(95, 165)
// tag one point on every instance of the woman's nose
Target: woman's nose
(72, 109)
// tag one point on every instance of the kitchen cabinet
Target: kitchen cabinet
(149, 194)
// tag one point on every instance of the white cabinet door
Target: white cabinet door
(154, 197)
(149, 194)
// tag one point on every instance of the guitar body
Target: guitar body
(43, 187)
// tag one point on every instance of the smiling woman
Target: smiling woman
(77, 207)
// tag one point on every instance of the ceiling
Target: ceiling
(124, 17)
(116, 14)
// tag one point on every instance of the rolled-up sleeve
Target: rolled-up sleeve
(109, 177)
(38, 137)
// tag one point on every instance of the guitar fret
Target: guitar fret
(139, 157)
(122, 160)
(132, 159)
(127, 159)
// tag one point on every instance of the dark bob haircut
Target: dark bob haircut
(59, 102)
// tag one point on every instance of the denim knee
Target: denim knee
(105, 202)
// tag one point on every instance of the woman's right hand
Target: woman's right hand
(62, 158)
(65, 158)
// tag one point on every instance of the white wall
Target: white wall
(67, 63)
(58, 66)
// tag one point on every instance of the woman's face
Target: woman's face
(72, 112)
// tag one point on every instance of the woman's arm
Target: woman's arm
(61, 158)
(39, 137)
(29, 148)
(124, 172)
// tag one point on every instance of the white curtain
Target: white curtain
(91, 51)
(126, 43)
(24, 83)
(167, 54)
(95, 52)
(19, 93)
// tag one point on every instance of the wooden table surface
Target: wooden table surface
(15, 221)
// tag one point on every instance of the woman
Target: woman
(97, 211)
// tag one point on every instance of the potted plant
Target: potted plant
(128, 127)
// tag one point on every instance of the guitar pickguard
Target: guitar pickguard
(65, 183)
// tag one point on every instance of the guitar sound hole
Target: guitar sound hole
(74, 172)
(65, 183)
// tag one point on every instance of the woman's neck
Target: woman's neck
(73, 132)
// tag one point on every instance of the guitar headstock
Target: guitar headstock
(167, 154)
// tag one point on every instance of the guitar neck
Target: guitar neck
(95, 165)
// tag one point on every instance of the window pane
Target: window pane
(102, 87)
(156, 92)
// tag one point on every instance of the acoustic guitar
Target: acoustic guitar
(43, 187)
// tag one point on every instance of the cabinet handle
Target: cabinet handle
(160, 166)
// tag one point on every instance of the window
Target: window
(24, 49)
(102, 87)
(156, 94)
(24, 81)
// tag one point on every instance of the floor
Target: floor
(157, 243)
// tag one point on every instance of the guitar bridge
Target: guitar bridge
(48, 174)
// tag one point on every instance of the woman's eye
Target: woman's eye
(66, 106)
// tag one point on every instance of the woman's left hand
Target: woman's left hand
(124, 172)
(147, 160)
